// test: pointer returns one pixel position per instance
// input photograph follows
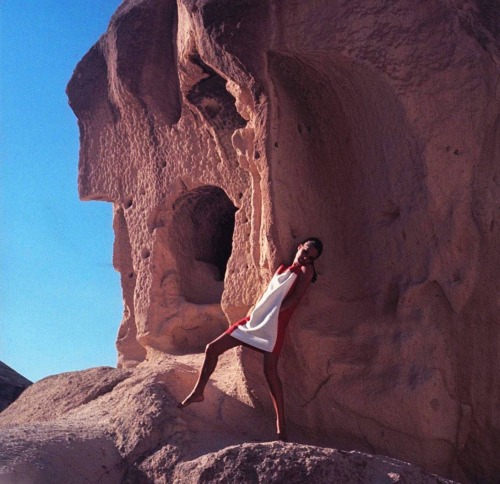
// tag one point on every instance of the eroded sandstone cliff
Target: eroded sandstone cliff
(225, 131)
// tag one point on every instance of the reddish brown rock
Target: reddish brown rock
(295, 464)
(224, 132)
(12, 384)
(111, 426)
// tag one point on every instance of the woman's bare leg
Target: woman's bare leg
(212, 352)
(274, 382)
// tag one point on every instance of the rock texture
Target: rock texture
(12, 384)
(120, 426)
(225, 131)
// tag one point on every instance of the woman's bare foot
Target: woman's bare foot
(192, 398)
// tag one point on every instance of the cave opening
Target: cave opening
(213, 100)
(201, 238)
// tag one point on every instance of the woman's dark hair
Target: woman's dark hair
(318, 245)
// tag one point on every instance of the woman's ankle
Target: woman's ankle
(193, 397)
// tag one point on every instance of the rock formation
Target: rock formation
(225, 131)
(114, 426)
(12, 384)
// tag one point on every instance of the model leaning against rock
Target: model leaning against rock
(263, 329)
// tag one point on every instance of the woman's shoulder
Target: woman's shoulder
(282, 268)
(288, 267)
(306, 270)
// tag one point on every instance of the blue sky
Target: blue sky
(60, 298)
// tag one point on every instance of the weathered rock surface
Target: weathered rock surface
(296, 464)
(12, 384)
(225, 131)
(110, 426)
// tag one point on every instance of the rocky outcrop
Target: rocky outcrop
(225, 131)
(111, 426)
(12, 384)
(296, 464)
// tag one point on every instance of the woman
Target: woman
(263, 329)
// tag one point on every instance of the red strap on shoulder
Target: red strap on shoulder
(295, 268)
(282, 268)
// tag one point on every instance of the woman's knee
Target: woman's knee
(211, 350)
(220, 345)
(214, 349)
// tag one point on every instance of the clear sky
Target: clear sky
(60, 298)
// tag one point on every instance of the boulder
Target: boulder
(123, 426)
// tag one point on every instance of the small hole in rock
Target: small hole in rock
(129, 202)
(257, 155)
(145, 253)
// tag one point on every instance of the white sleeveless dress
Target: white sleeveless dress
(265, 328)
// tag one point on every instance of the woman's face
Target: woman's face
(306, 253)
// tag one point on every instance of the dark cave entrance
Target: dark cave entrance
(201, 238)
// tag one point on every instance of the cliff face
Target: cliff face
(224, 132)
